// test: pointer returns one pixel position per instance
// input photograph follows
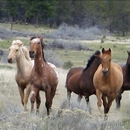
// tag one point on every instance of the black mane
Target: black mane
(91, 59)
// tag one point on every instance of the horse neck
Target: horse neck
(127, 71)
(39, 61)
(21, 62)
(93, 67)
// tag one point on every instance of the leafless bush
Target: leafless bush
(74, 32)
(53, 58)
(63, 44)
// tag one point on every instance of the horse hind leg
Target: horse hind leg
(34, 92)
(68, 97)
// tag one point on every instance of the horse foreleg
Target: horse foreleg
(99, 102)
(38, 101)
(88, 104)
(21, 92)
(48, 100)
(34, 92)
(107, 107)
(118, 99)
(28, 90)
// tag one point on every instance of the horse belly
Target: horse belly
(73, 83)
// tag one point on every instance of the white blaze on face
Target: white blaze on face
(105, 57)
(35, 40)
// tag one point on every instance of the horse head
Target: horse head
(14, 50)
(105, 60)
(35, 44)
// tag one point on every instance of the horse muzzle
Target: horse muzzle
(10, 60)
(31, 53)
(105, 72)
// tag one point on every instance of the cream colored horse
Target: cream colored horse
(20, 54)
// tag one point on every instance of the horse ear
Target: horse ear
(103, 50)
(109, 49)
(128, 52)
(41, 38)
(20, 43)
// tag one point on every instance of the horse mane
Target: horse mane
(91, 59)
(26, 53)
(42, 44)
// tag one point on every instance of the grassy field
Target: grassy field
(12, 116)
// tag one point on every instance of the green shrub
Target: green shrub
(67, 65)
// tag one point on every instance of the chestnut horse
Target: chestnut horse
(20, 54)
(126, 80)
(107, 80)
(43, 76)
(80, 81)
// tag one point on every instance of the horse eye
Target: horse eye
(17, 50)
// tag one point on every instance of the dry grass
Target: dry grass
(12, 116)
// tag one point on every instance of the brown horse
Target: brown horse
(107, 80)
(43, 76)
(20, 54)
(126, 80)
(80, 81)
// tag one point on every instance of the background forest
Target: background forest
(109, 14)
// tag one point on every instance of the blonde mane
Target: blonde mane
(26, 53)
(24, 48)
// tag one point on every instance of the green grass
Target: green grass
(27, 28)
(80, 58)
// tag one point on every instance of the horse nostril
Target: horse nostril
(9, 60)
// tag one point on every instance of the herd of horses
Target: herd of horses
(102, 77)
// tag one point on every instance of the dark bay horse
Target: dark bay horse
(126, 81)
(80, 80)
(107, 80)
(43, 76)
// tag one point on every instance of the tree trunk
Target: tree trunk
(36, 24)
(11, 23)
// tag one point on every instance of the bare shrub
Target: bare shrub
(53, 58)
(63, 44)
(74, 32)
